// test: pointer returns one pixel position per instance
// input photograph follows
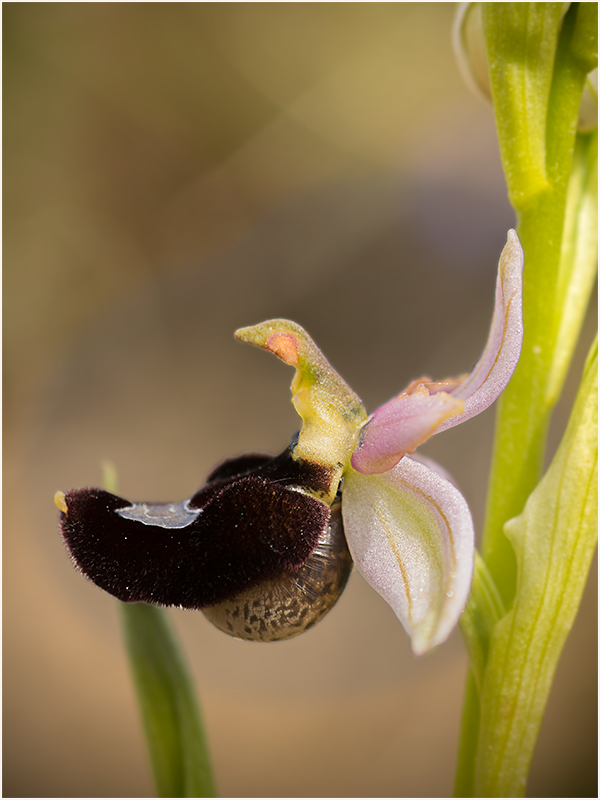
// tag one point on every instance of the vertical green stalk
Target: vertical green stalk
(464, 780)
(169, 709)
(538, 62)
(536, 114)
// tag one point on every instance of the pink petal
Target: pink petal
(427, 407)
(501, 354)
(411, 536)
(400, 426)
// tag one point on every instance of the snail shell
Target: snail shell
(293, 602)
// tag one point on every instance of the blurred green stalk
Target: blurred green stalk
(169, 709)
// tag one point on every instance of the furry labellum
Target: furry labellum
(255, 549)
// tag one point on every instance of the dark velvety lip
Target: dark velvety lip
(256, 517)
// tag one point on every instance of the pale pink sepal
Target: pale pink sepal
(494, 369)
(411, 536)
(400, 426)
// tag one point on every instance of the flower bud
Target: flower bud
(468, 42)
(469, 45)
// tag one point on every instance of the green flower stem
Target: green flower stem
(538, 64)
(554, 540)
(464, 781)
(536, 97)
(169, 708)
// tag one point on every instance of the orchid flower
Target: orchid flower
(408, 528)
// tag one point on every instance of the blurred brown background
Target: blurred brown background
(175, 171)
